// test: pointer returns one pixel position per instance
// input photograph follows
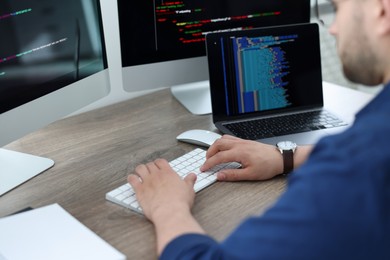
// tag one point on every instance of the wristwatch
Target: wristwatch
(287, 149)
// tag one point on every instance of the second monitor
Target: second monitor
(162, 42)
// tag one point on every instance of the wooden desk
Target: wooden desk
(95, 151)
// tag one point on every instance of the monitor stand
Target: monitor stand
(195, 97)
(17, 168)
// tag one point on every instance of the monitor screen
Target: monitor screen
(163, 42)
(52, 63)
(46, 46)
(156, 31)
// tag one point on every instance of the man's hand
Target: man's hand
(259, 161)
(159, 188)
(166, 200)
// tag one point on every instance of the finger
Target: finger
(142, 171)
(152, 167)
(211, 162)
(220, 157)
(134, 181)
(231, 175)
(226, 136)
(220, 144)
(190, 179)
(213, 149)
(162, 164)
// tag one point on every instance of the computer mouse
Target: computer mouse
(198, 137)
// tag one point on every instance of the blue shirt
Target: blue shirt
(336, 205)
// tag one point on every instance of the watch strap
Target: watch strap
(288, 161)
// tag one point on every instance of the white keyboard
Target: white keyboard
(190, 162)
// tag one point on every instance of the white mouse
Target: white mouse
(198, 137)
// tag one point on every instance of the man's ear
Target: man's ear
(385, 16)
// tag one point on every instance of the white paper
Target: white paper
(51, 232)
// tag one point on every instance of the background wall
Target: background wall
(330, 63)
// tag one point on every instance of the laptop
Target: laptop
(266, 84)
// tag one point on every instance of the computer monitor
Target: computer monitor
(162, 42)
(52, 63)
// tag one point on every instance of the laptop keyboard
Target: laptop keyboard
(283, 125)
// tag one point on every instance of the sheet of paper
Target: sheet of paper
(51, 232)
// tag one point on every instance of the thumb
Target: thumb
(231, 175)
(190, 179)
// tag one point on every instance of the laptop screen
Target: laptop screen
(265, 70)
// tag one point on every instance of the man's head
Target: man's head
(362, 31)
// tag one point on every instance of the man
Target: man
(337, 204)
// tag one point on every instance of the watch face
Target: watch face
(286, 145)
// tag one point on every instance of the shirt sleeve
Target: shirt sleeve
(191, 246)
